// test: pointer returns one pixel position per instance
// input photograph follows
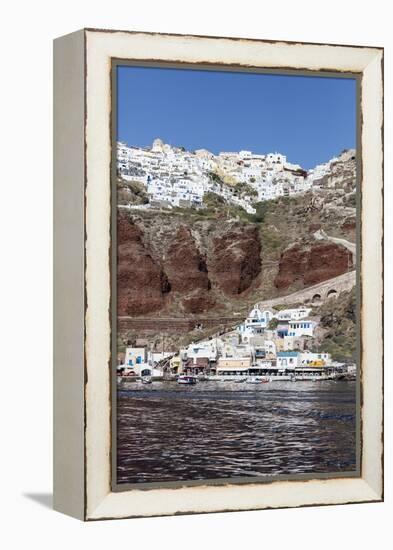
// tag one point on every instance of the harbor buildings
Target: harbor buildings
(267, 342)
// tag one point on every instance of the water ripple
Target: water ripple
(215, 430)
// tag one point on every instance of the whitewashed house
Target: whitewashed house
(303, 327)
(293, 314)
(256, 323)
(206, 349)
(287, 359)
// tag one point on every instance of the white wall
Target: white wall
(27, 31)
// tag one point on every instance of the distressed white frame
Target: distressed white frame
(100, 502)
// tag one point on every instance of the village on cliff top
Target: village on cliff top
(174, 177)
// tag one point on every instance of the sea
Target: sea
(216, 430)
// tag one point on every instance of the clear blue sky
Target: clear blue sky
(309, 119)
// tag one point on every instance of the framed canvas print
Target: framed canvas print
(218, 274)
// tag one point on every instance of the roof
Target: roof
(287, 354)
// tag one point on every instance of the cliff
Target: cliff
(219, 260)
(306, 264)
(141, 282)
(168, 265)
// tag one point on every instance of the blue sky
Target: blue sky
(309, 119)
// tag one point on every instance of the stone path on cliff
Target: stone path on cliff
(320, 291)
(320, 235)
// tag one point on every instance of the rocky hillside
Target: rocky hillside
(337, 331)
(307, 263)
(219, 260)
(172, 265)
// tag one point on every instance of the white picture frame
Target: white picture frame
(82, 257)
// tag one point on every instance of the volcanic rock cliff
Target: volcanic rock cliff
(186, 268)
(141, 282)
(305, 265)
(165, 264)
(236, 259)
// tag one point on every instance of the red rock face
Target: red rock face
(184, 264)
(236, 260)
(187, 272)
(141, 282)
(309, 265)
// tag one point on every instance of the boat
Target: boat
(146, 380)
(258, 380)
(186, 380)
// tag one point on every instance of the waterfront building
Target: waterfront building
(136, 363)
(287, 359)
(237, 364)
(135, 356)
(198, 365)
(199, 357)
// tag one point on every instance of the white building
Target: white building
(293, 314)
(136, 362)
(287, 359)
(256, 323)
(135, 356)
(207, 349)
(304, 327)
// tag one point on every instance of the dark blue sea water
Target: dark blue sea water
(168, 432)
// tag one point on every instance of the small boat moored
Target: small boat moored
(186, 380)
(258, 380)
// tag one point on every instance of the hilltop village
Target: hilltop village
(173, 177)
